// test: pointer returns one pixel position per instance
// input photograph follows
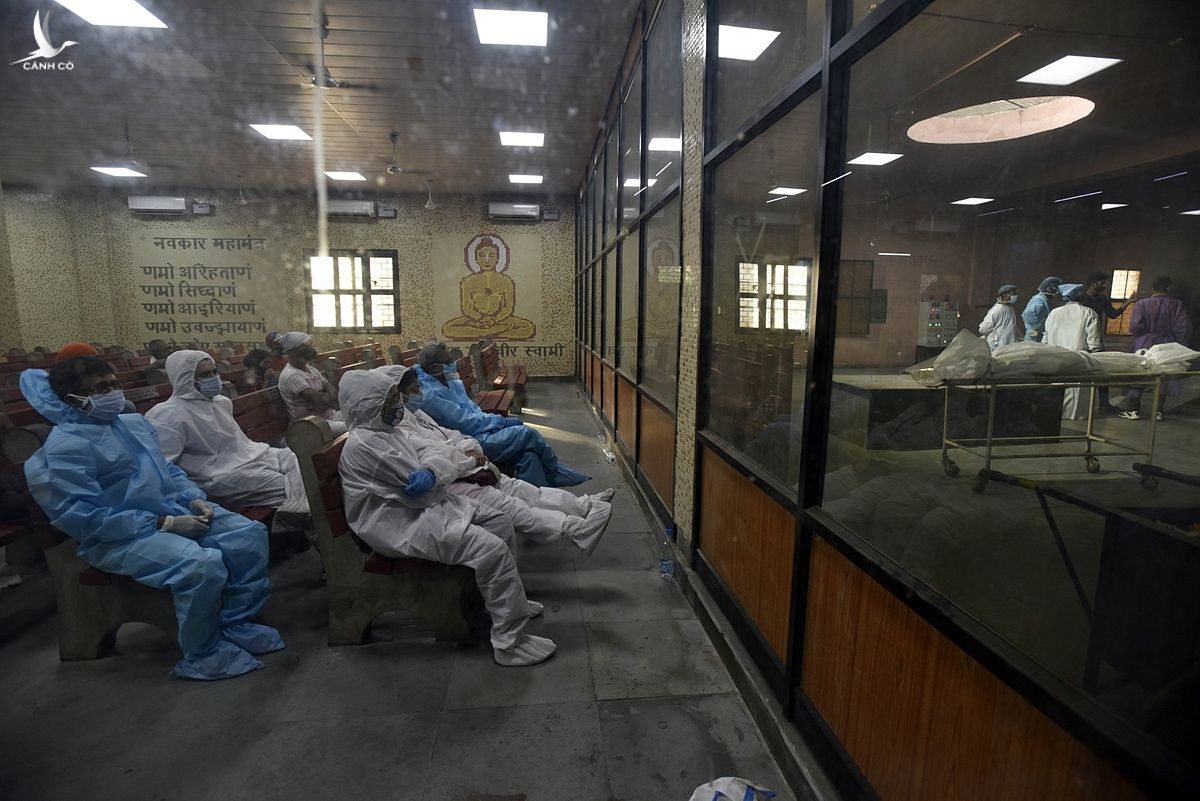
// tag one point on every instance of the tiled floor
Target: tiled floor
(635, 705)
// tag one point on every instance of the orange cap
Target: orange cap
(73, 349)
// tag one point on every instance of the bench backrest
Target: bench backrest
(490, 357)
(325, 464)
(261, 415)
(409, 357)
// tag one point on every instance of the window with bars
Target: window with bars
(1123, 285)
(354, 290)
(773, 296)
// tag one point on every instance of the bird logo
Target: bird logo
(41, 34)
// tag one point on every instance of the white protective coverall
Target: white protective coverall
(544, 514)
(377, 463)
(999, 326)
(203, 438)
(1075, 327)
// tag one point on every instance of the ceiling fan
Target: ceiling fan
(394, 167)
(326, 79)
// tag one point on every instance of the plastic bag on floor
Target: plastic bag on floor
(732, 788)
(1170, 357)
(966, 357)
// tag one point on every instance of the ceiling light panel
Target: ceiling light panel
(282, 132)
(1107, 206)
(345, 176)
(119, 172)
(634, 183)
(113, 13)
(1192, 213)
(875, 159)
(972, 201)
(522, 139)
(1069, 69)
(525, 179)
(665, 144)
(526, 28)
(743, 44)
(786, 190)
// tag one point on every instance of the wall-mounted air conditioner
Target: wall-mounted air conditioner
(153, 204)
(516, 212)
(351, 208)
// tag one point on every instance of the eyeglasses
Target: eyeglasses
(102, 388)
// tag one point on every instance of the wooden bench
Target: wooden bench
(262, 415)
(501, 376)
(362, 584)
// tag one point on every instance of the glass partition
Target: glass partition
(612, 218)
(764, 246)
(664, 98)
(610, 306)
(761, 46)
(660, 313)
(631, 150)
(627, 345)
(979, 165)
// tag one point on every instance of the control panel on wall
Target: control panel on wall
(937, 323)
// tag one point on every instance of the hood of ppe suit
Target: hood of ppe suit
(35, 386)
(181, 372)
(361, 394)
(394, 371)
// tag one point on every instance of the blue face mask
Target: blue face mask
(209, 387)
(105, 407)
(450, 367)
(413, 403)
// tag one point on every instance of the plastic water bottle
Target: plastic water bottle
(609, 456)
(666, 567)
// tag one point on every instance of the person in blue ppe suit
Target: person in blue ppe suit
(101, 478)
(504, 439)
(1038, 308)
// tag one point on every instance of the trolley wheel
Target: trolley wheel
(1093, 464)
(950, 467)
(1149, 482)
(979, 485)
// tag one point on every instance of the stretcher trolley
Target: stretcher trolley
(1092, 445)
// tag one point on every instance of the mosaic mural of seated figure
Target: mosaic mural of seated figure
(488, 297)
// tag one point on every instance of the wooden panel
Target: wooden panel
(748, 539)
(921, 718)
(627, 404)
(656, 450)
(595, 385)
(608, 405)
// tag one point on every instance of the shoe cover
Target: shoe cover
(588, 534)
(254, 637)
(566, 477)
(529, 650)
(535, 608)
(223, 661)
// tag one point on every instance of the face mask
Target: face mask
(450, 367)
(105, 407)
(392, 415)
(413, 403)
(1013, 298)
(209, 387)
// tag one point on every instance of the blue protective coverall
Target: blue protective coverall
(1034, 317)
(503, 439)
(105, 484)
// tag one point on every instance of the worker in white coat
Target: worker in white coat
(544, 514)
(999, 326)
(199, 434)
(1075, 327)
(397, 502)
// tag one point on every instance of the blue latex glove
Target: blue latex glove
(420, 483)
(510, 422)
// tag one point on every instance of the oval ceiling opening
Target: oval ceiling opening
(1000, 120)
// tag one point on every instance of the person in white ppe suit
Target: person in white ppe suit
(397, 502)
(544, 514)
(1075, 327)
(999, 326)
(198, 432)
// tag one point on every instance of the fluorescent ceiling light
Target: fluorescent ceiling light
(525, 179)
(522, 139)
(634, 183)
(512, 27)
(1076, 197)
(115, 13)
(786, 190)
(1192, 213)
(743, 44)
(345, 176)
(972, 201)
(875, 159)
(1107, 206)
(886, 253)
(282, 132)
(840, 177)
(998, 211)
(1068, 70)
(119, 172)
(1172, 175)
(666, 144)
